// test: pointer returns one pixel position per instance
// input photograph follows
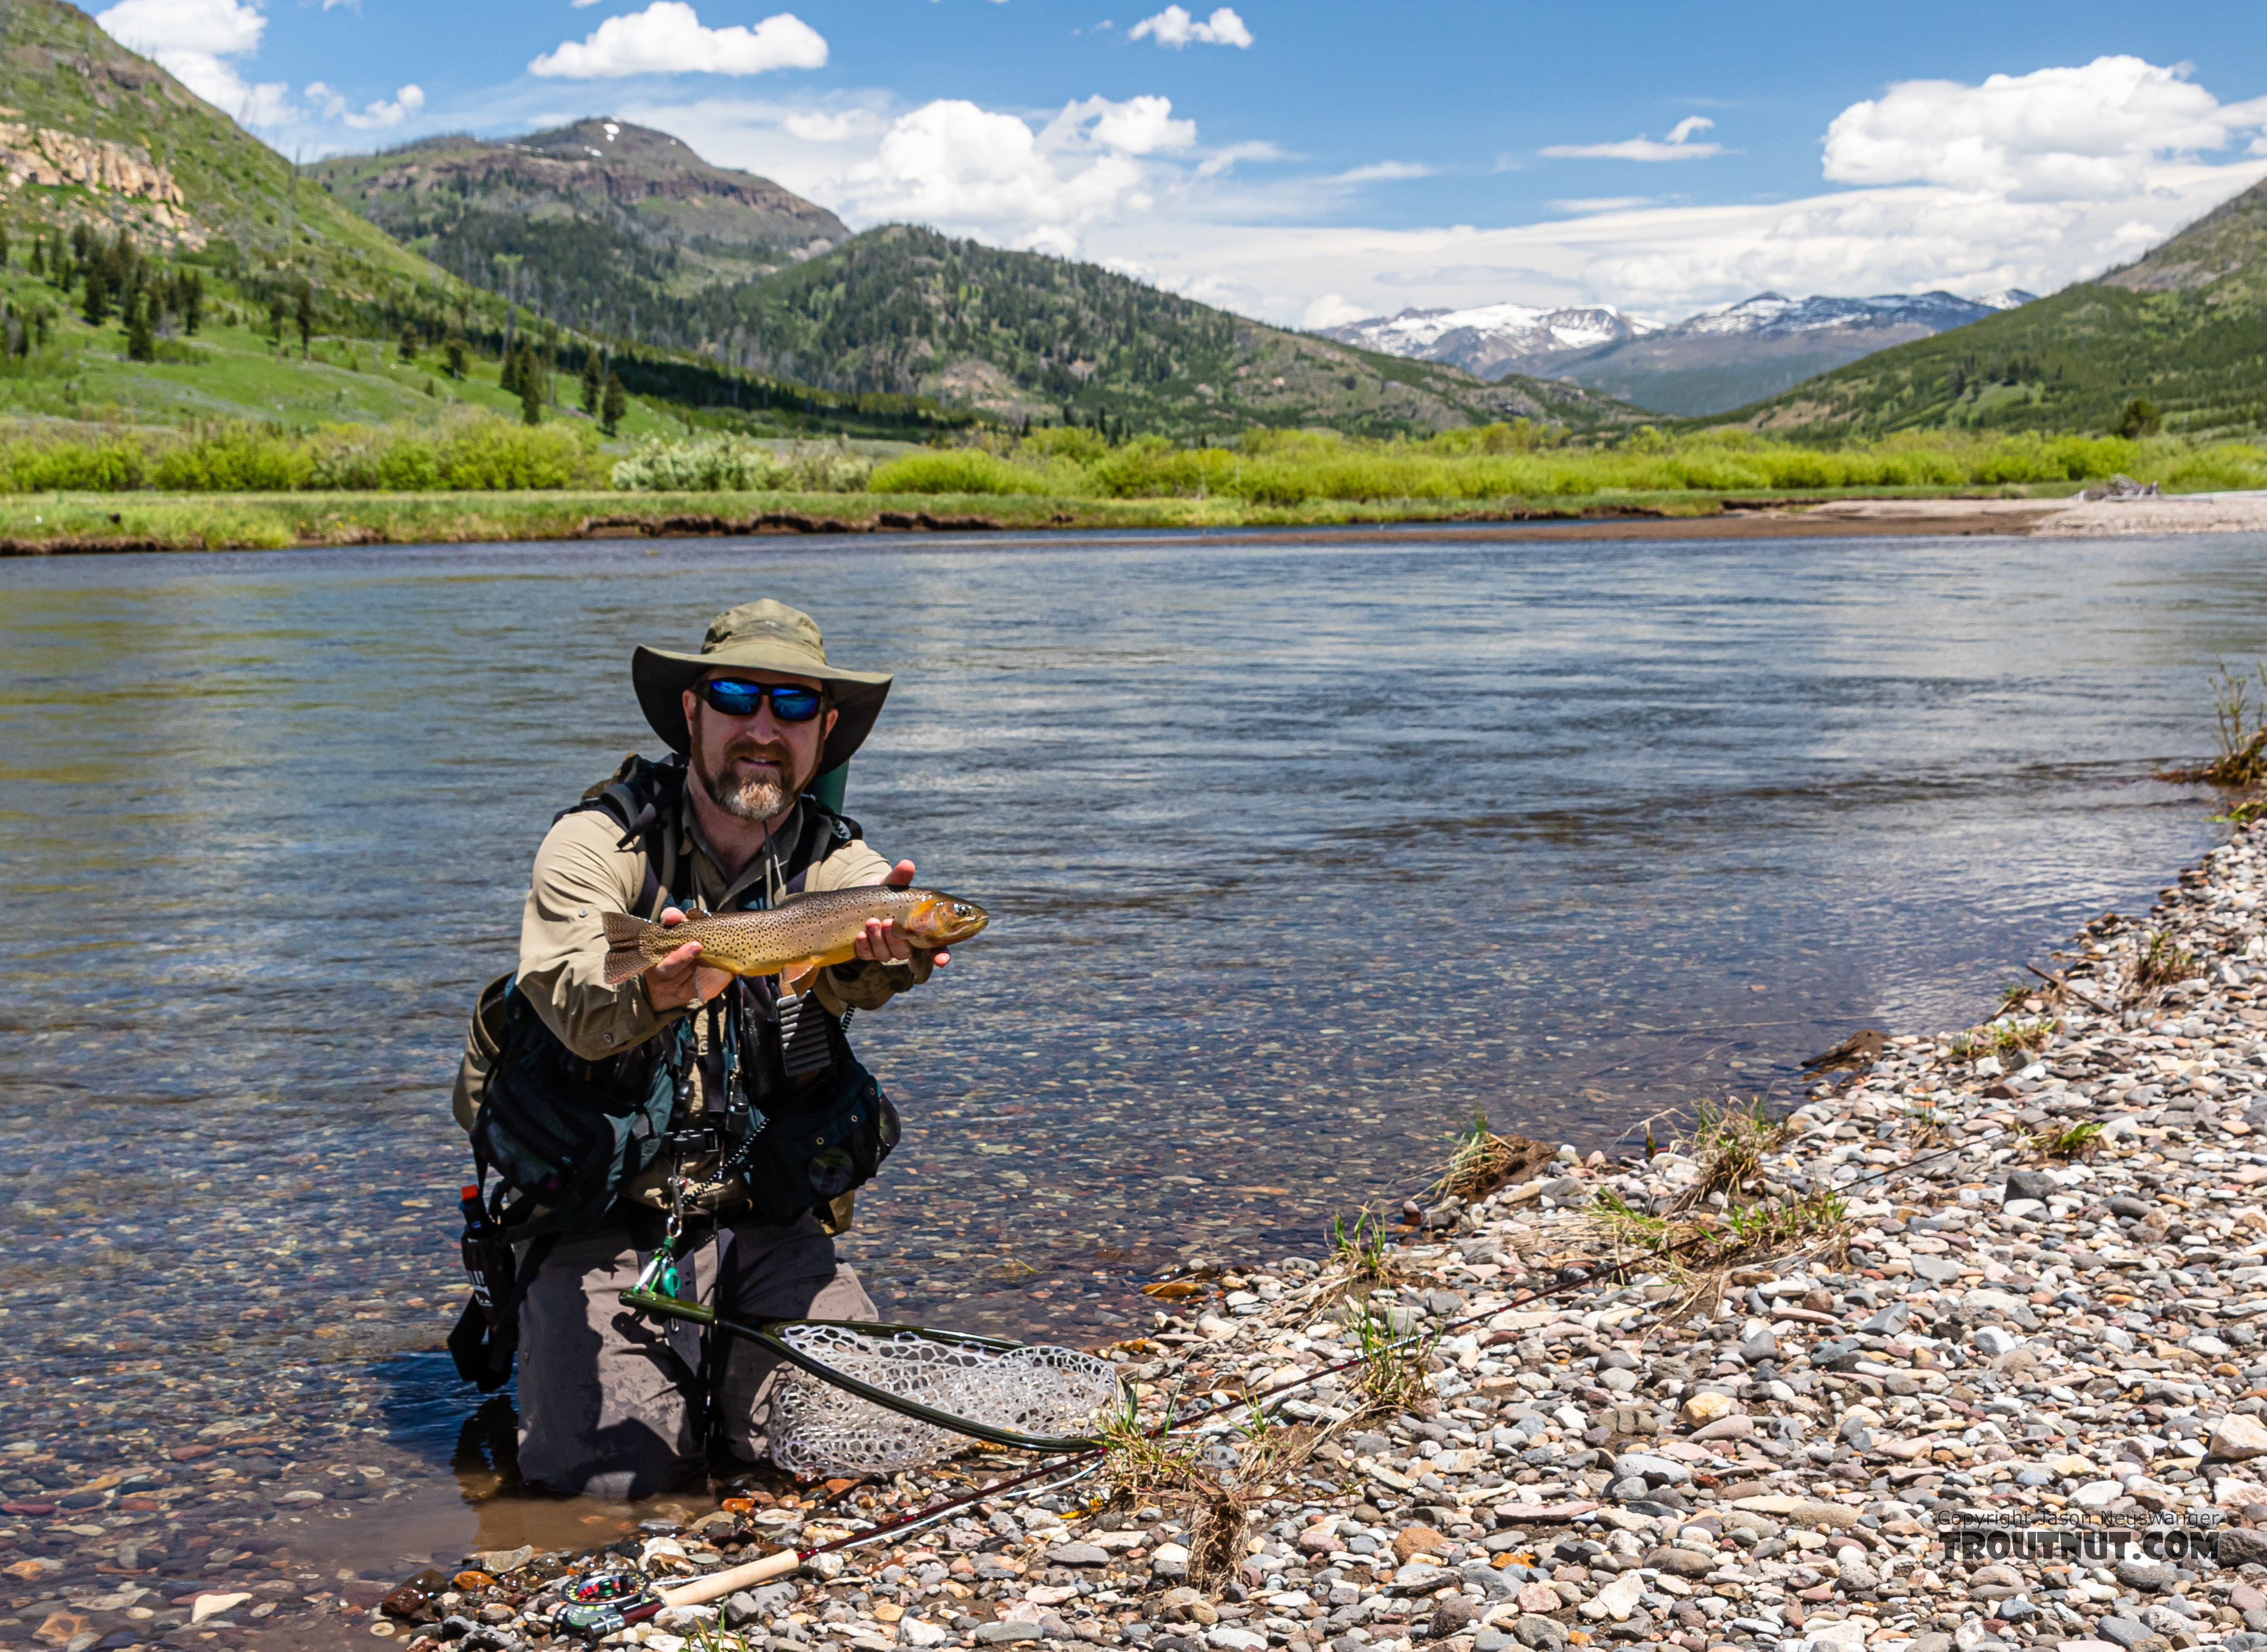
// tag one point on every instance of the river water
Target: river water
(1299, 854)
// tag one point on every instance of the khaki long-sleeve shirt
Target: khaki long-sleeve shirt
(581, 873)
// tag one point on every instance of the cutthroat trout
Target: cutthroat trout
(802, 933)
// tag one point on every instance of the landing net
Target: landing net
(817, 1426)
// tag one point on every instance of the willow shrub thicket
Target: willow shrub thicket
(713, 464)
(1292, 467)
(472, 451)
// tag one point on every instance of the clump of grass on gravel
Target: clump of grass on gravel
(2078, 1141)
(1392, 1375)
(2162, 963)
(1362, 1251)
(2021, 1038)
(2239, 710)
(1731, 1141)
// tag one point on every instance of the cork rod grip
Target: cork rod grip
(700, 1590)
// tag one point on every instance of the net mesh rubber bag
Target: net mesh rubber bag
(817, 1427)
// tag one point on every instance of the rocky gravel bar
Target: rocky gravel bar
(2010, 1399)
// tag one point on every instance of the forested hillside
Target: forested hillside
(602, 224)
(1024, 336)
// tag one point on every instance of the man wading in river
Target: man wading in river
(685, 1096)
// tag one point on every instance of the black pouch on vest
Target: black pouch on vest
(809, 1157)
(567, 1132)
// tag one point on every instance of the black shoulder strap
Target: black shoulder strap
(642, 798)
(833, 831)
(819, 832)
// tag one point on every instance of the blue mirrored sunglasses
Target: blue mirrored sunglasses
(791, 702)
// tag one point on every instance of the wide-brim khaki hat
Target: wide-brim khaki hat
(761, 636)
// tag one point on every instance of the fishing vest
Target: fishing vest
(786, 1113)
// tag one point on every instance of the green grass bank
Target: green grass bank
(60, 523)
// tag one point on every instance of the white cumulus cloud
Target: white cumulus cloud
(979, 172)
(843, 126)
(192, 38)
(1678, 146)
(1138, 126)
(1175, 28)
(2031, 180)
(332, 105)
(1331, 310)
(667, 37)
(2055, 135)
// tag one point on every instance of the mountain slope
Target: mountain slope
(1491, 340)
(1723, 358)
(94, 133)
(1718, 359)
(2183, 327)
(602, 224)
(1022, 335)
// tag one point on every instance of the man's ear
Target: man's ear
(833, 717)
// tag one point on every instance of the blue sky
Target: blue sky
(1326, 160)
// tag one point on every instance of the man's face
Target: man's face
(752, 767)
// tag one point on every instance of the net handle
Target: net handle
(766, 1336)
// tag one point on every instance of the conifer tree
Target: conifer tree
(307, 318)
(452, 357)
(615, 404)
(508, 370)
(139, 345)
(591, 387)
(38, 264)
(97, 310)
(408, 346)
(191, 301)
(530, 386)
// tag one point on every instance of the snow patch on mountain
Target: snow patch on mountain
(1775, 315)
(1521, 328)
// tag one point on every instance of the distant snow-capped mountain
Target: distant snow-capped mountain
(1492, 340)
(1772, 315)
(1707, 363)
(1726, 358)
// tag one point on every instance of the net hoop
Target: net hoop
(1106, 1390)
(935, 1379)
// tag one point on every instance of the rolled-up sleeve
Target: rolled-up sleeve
(579, 876)
(858, 985)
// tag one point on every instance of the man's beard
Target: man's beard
(753, 798)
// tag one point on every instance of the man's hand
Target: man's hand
(677, 980)
(881, 943)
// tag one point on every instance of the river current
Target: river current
(1300, 855)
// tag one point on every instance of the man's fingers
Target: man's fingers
(671, 917)
(900, 875)
(682, 956)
